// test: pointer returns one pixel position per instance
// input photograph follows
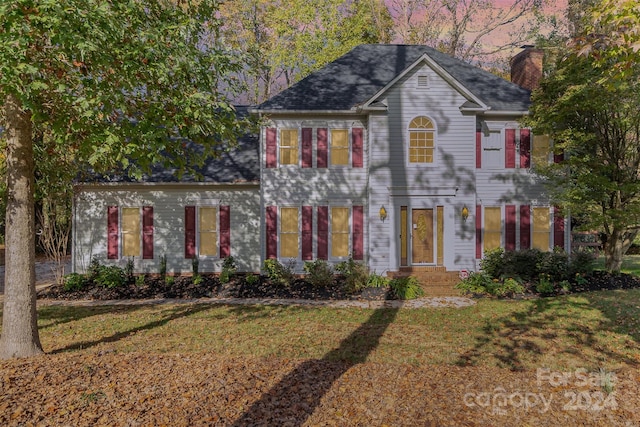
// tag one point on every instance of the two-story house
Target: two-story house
(399, 156)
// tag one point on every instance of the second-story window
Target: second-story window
(422, 137)
(289, 147)
(339, 147)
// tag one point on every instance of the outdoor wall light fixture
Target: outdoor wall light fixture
(465, 213)
(383, 213)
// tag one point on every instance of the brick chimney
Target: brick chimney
(526, 67)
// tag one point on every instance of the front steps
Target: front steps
(436, 281)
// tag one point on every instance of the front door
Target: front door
(422, 236)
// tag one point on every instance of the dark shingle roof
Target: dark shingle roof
(354, 78)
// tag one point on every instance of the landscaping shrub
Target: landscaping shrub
(521, 264)
(319, 273)
(377, 281)
(554, 265)
(229, 268)
(506, 288)
(582, 263)
(545, 285)
(110, 276)
(94, 268)
(405, 288)
(74, 282)
(476, 283)
(140, 280)
(128, 270)
(278, 273)
(252, 279)
(492, 263)
(355, 275)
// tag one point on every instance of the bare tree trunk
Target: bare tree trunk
(19, 318)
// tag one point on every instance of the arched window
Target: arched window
(422, 136)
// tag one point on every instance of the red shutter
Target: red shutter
(271, 148)
(510, 148)
(307, 233)
(525, 227)
(478, 149)
(525, 148)
(323, 232)
(322, 156)
(478, 231)
(112, 232)
(147, 232)
(189, 231)
(307, 148)
(558, 228)
(357, 223)
(225, 231)
(357, 148)
(272, 232)
(510, 228)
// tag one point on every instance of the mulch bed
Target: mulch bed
(210, 286)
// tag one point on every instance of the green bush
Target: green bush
(377, 281)
(492, 263)
(252, 279)
(94, 268)
(521, 264)
(229, 268)
(582, 263)
(319, 273)
(197, 279)
(110, 276)
(355, 275)
(128, 270)
(506, 288)
(554, 265)
(278, 273)
(405, 288)
(476, 283)
(545, 285)
(140, 280)
(169, 280)
(74, 282)
(163, 266)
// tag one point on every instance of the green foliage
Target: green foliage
(229, 268)
(163, 266)
(492, 263)
(169, 280)
(195, 265)
(521, 264)
(476, 283)
(128, 270)
(140, 280)
(506, 288)
(74, 282)
(197, 279)
(252, 279)
(355, 275)
(94, 268)
(377, 281)
(545, 285)
(319, 273)
(406, 288)
(279, 273)
(110, 276)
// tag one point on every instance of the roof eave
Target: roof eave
(322, 112)
(506, 112)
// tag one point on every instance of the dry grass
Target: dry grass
(590, 330)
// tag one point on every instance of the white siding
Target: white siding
(448, 182)
(168, 201)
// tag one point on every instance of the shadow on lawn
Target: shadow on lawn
(175, 313)
(296, 396)
(562, 325)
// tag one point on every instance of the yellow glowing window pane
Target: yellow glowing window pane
(540, 150)
(421, 144)
(207, 224)
(131, 232)
(339, 147)
(289, 232)
(403, 235)
(339, 232)
(541, 229)
(492, 228)
(289, 147)
(440, 237)
(421, 123)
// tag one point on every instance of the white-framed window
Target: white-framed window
(289, 147)
(207, 231)
(131, 231)
(422, 141)
(339, 147)
(339, 232)
(289, 232)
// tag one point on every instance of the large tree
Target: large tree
(283, 41)
(118, 84)
(589, 106)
